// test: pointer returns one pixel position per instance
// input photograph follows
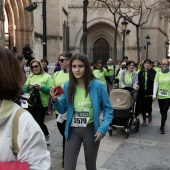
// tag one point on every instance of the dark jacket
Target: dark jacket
(27, 52)
(148, 90)
(57, 67)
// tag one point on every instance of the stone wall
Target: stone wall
(57, 14)
(99, 22)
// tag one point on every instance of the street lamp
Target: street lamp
(124, 27)
(32, 7)
(147, 45)
(167, 47)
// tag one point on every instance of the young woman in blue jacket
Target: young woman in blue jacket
(84, 100)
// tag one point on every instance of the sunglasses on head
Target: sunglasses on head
(131, 65)
(165, 64)
(62, 60)
(36, 66)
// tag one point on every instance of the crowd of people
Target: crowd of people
(151, 79)
(86, 87)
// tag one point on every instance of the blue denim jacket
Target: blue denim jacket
(100, 103)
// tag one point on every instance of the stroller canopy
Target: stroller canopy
(121, 99)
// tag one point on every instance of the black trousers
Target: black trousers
(39, 116)
(163, 106)
(61, 128)
(146, 106)
(29, 60)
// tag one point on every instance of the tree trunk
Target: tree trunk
(138, 44)
(85, 4)
(115, 47)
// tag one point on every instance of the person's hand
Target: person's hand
(115, 85)
(98, 136)
(154, 98)
(136, 87)
(37, 87)
(30, 86)
(53, 94)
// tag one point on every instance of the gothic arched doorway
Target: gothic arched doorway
(101, 51)
(18, 24)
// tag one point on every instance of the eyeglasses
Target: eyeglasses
(62, 60)
(165, 64)
(36, 66)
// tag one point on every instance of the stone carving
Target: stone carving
(101, 11)
(75, 20)
(2, 17)
(1, 7)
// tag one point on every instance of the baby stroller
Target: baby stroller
(125, 113)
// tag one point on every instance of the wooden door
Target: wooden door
(101, 51)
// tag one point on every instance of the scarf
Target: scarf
(165, 71)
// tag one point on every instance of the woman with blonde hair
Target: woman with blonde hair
(41, 82)
(161, 91)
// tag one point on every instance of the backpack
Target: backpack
(13, 165)
(35, 99)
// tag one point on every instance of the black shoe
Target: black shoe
(63, 164)
(162, 131)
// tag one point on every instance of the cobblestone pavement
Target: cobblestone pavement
(145, 150)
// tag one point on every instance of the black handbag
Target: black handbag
(35, 99)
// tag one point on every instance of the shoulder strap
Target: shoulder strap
(17, 115)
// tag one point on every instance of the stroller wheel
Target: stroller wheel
(137, 125)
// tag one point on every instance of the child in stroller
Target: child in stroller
(125, 111)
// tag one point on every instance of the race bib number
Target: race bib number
(163, 92)
(80, 119)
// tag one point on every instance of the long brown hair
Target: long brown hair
(11, 76)
(88, 75)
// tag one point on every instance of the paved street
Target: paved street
(145, 150)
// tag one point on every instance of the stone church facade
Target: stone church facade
(65, 31)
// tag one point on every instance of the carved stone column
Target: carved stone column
(2, 19)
